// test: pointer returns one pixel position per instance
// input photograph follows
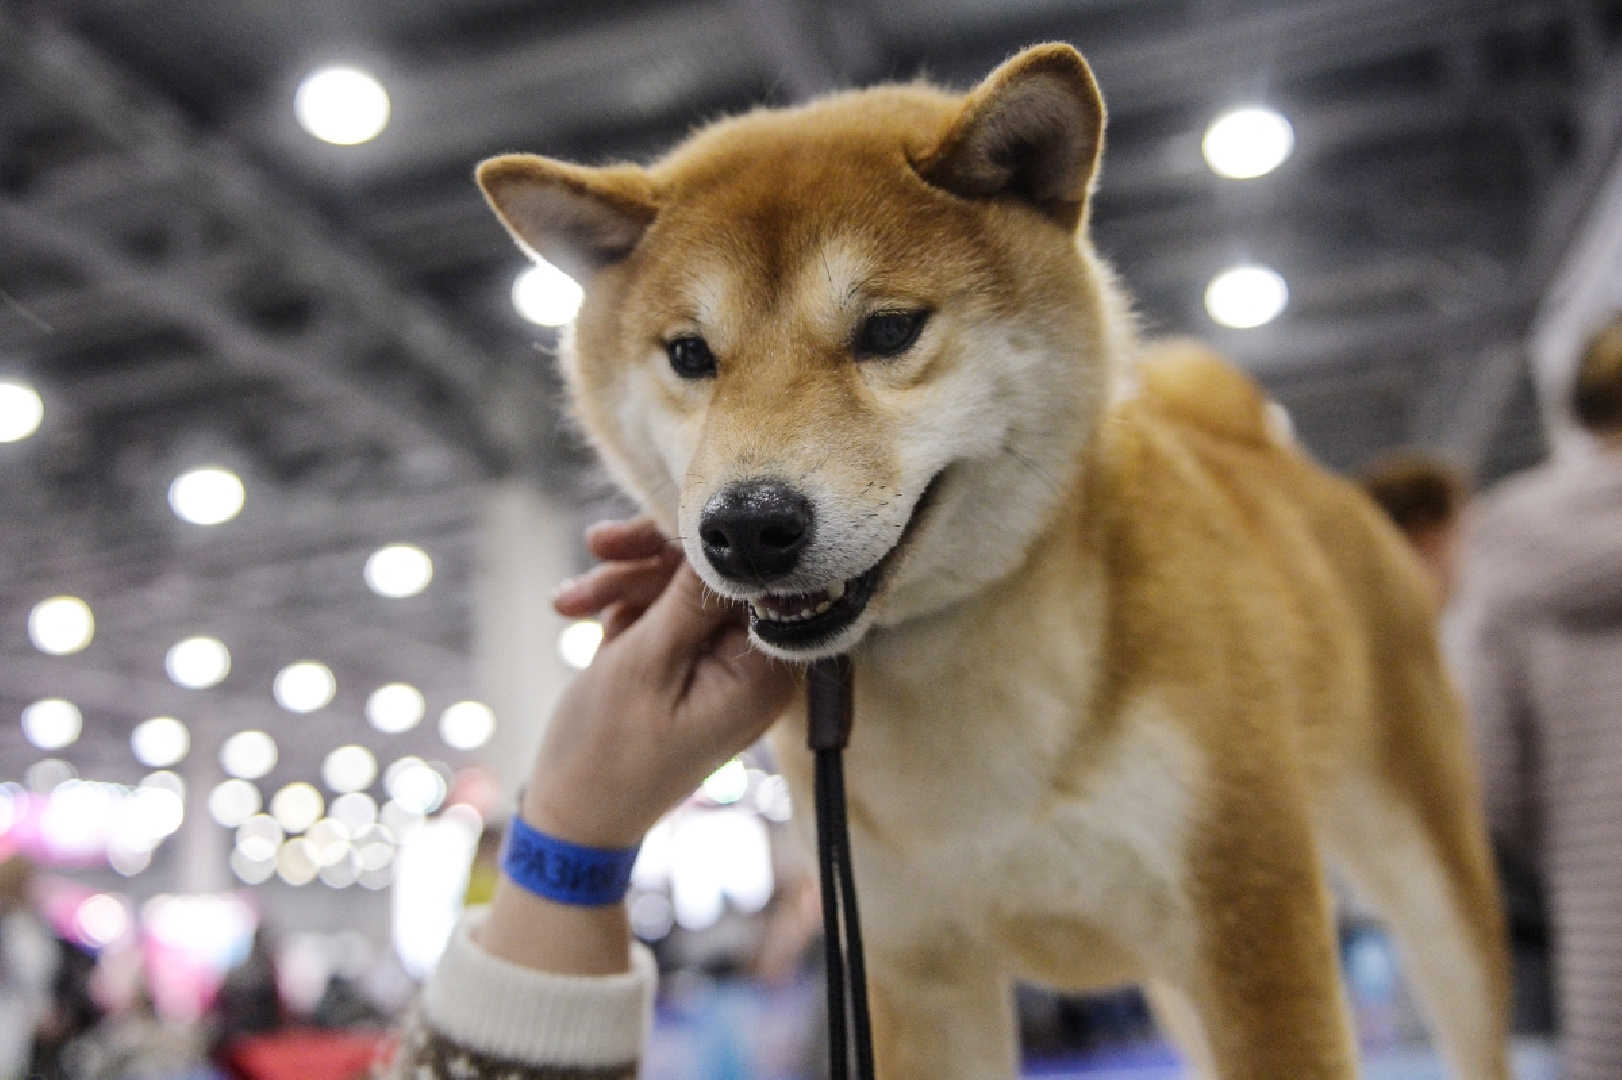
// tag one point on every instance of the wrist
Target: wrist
(555, 811)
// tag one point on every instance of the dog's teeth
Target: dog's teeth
(824, 606)
(758, 612)
(836, 590)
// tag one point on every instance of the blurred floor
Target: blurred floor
(1534, 1060)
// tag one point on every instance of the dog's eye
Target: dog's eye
(690, 357)
(889, 333)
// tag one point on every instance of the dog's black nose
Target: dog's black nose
(754, 531)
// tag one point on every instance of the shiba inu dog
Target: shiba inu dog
(1130, 668)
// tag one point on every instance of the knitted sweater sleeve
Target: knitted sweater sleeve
(482, 1018)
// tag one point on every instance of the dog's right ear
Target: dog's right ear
(1032, 131)
(574, 216)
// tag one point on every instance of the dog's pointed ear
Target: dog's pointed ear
(1032, 131)
(579, 218)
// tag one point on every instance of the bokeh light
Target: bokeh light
(398, 570)
(1247, 143)
(207, 496)
(198, 662)
(160, 742)
(248, 755)
(21, 410)
(1244, 297)
(395, 708)
(61, 625)
(52, 723)
(305, 686)
(467, 725)
(546, 296)
(344, 106)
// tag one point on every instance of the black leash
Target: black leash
(830, 694)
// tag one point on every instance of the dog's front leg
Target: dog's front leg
(942, 1014)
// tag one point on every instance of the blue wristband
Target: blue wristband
(562, 872)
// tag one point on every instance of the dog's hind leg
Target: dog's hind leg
(1436, 892)
(942, 1016)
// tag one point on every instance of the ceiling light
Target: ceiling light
(234, 801)
(399, 570)
(297, 806)
(1246, 296)
(467, 725)
(357, 810)
(52, 723)
(61, 625)
(248, 755)
(342, 105)
(20, 411)
(206, 496)
(547, 296)
(160, 741)
(102, 919)
(305, 686)
(349, 768)
(252, 871)
(259, 837)
(198, 663)
(395, 708)
(295, 862)
(416, 786)
(578, 643)
(1247, 143)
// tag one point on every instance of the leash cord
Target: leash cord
(830, 705)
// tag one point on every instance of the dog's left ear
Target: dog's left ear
(1032, 131)
(575, 216)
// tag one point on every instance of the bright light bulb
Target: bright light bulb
(357, 810)
(52, 723)
(248, 755)
(1246, 296)
(1247, 143)
(344, 106)
(61, 625)
(399, 570)
(349, 768)
(395, 708)
(467, 725)
(578, 643)
(160, 742)
(415, 785)
(297, 806)
(102, 919)
(207, 496)
(547, 296)
(259, 837)
(305, 686)
(198, 663)
(20, 411)
(234, 801)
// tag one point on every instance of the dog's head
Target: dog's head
(848, 352)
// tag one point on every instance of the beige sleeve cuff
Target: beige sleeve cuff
(536, 1017)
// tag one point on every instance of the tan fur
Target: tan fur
(1139, 668)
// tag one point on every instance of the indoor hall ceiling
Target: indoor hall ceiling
(189, 277)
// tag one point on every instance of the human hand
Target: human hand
(675, 690)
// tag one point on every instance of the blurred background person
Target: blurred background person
(1541, 657)
(1426, 498)
(28, 962)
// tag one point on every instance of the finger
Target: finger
(612, 583)
(684, 618)
(620, 618)
(638, 538)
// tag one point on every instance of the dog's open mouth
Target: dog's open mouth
(806, 620)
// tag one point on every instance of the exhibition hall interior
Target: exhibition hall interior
(290, 474)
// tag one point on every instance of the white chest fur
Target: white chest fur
(986, 792)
